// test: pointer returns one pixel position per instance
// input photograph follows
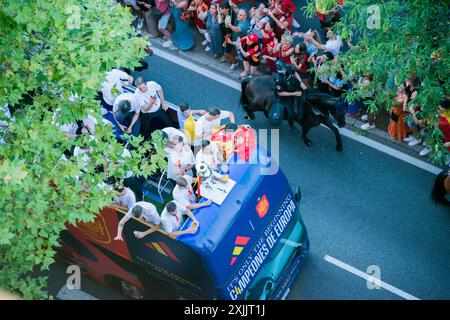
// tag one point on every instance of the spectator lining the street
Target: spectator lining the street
(249, 48)
(214, 31)
(162, 13)
(225, 18)
(397, 128)
(200, 12)
(299, 59)
(183, 36)
(333, 44)
(239, 30)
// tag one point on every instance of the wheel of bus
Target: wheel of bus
(130, 290)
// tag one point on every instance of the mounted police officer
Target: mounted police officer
(289, 90)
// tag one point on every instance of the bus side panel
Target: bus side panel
(90, 238)
(169, 260)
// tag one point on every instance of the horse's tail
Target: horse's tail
(244, 101)
(438, 192)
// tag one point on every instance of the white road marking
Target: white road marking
(368, 277)
(345, 132)
(73, 294)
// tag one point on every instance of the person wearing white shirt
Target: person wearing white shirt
(184, 194)
(144, 211)
(210, 154)
(172, 132)
(172, 219)
(112, 87)
(207, 124)
(180, 159)
(125, 109)
(333, 45)
(150, 98)
(124, 199)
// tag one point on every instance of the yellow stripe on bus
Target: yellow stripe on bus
(237, 251)
(159, 249)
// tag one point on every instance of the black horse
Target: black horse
(258, 94)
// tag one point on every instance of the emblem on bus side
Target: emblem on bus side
(262, 207)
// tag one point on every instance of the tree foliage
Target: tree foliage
(53, 58)
(395, 40)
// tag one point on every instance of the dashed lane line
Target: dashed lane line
(370, 278)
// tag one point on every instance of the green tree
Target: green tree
(395, 40)
(54, 55)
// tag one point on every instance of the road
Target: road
(361, 206)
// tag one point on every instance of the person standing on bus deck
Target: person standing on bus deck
(180, 159)
(209, 123)
(186, 120)
(150, 98)
(211, 155)
(112, 87)
(141, 210)
(184, 194)
(124, 199)
(124, 109)
(172, 219)
(172, 132)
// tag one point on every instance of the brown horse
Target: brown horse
(258, 95)
(441, 188)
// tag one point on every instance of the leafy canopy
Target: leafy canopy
(54, 55)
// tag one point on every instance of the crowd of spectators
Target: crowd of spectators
(257, 33)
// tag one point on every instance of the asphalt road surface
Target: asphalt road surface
(364, 210)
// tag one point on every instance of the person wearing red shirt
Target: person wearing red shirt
(299, 59)
(267, 32)
(283, 15)
(444, 121)
(285, 48)
(250, 49)
(269, 55)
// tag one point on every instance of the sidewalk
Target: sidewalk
(198, 56)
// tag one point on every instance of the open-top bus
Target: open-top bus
(251, 246)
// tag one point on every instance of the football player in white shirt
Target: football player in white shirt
(207, 124)
(144, 211)
(172, 219)
(210, 154)
(181, 159)
(112, 86)
(124, 199)
(184, 194)
(150, 98)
